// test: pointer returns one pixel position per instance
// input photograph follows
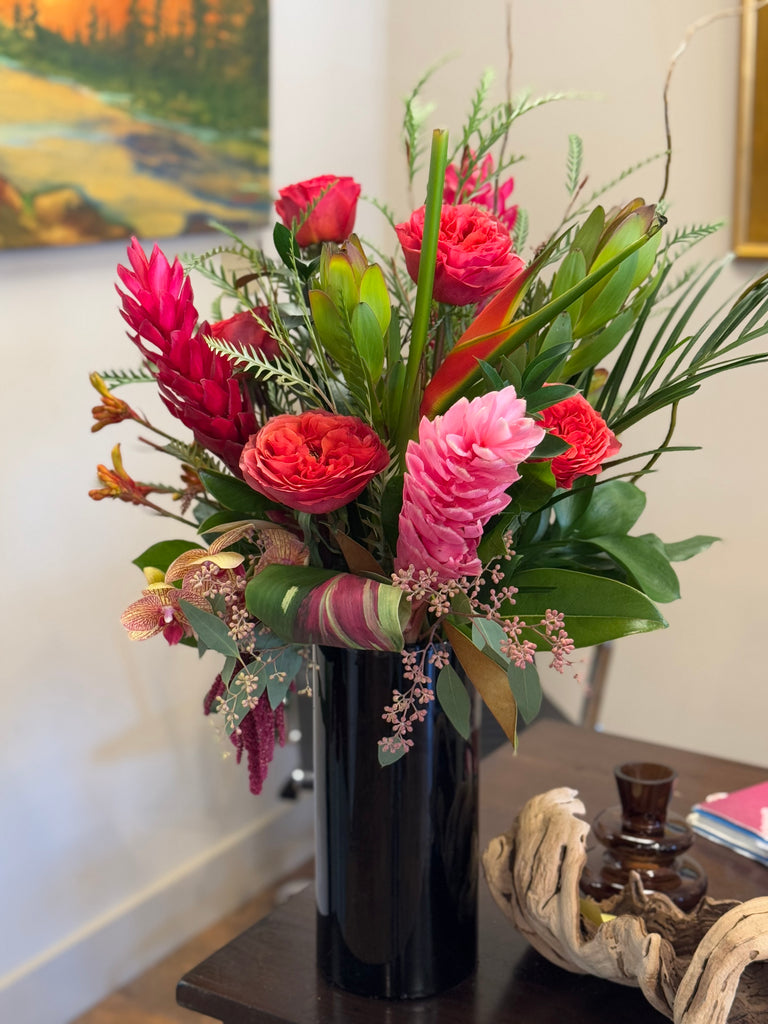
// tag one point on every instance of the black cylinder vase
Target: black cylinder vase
(396, 863)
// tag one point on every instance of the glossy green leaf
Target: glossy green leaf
(454, 699)
(596, 608)
(550, 446)
(535, 486)
(644, 562)
(603, 302)
(160, 555)
(526, 687)
(286, 245)
(494, 379)
(550, 395)
(682, 550)
(614, 508)
(210, 629)
(235, 494)
(559, 333)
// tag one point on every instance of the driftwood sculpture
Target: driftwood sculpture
(706, 967)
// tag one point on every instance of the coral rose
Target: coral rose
(474, 253)
(585, 430)
(331, 219)
(314, 462)
(246, 332)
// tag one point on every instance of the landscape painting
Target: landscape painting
(122, 117)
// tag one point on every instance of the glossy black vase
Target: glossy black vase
(396, 866)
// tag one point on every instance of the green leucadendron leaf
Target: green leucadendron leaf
(596, 608)
(454, 699)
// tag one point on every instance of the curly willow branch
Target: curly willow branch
(690, 32)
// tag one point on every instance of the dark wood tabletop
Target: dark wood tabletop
(267, 975)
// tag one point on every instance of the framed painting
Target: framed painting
(750, 222)
(131, 117)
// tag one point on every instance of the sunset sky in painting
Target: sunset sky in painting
(66, 16)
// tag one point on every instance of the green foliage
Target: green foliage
(160, 555)
(454, 699)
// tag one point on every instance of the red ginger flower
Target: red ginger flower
(199, 387)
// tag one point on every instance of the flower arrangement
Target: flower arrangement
(391, 450)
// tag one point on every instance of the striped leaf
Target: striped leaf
(303, 604)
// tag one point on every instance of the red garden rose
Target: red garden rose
(474, 253)
(314, 462)
(331, 220)
(244, 331)
(575, 421)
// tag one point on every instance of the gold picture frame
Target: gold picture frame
(750, 222)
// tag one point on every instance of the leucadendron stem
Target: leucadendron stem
(411, 388)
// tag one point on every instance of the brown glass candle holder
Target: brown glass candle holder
(642, 836)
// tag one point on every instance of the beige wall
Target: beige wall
(701, 683)
(122, 827)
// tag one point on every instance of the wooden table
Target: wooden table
(267, 975)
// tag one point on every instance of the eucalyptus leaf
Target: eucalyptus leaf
(388, 757)
(526, 688)
(210, 629)
(454, 699)
(282, 669)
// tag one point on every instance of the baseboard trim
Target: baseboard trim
(70, 976)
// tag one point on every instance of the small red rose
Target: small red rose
(314, 462)
(585, 430)
(245, 332)
(331, 219)
(474, 253)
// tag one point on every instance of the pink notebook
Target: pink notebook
(738, 820)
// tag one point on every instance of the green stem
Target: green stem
(420, 329)
(664, 444)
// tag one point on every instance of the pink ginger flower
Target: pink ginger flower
(199, 387)
(457, 474)
(478, 188)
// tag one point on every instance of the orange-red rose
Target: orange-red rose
(591, 440)
(331, 219)
(474, 253)
(314, 462)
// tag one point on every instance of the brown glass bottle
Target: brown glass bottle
(642, 836)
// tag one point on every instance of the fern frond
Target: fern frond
(588, 204)
(520, 230)
(573, 166)
(116, 378)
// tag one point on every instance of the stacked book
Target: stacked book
(738, 820)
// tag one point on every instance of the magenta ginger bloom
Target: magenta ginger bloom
(199, 387)
(456, 478)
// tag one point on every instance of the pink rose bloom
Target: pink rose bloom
(478, 188)
(331, 220)
(457, 475)
(575, 421)
(474, 253)
(244, 331)
(315, 462)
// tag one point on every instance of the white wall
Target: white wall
(123, 829)
(701, 684)
(114, 796)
